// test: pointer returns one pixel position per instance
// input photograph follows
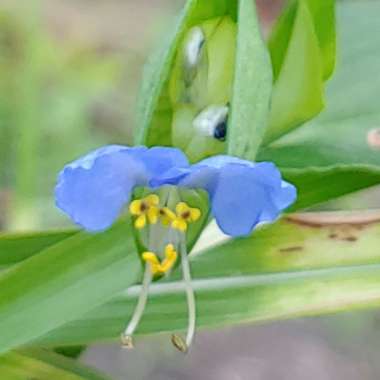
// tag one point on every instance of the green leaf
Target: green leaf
(17, 246)
(43, 365)
(57, 285)
(316, 185)
(323, 17)
(298, 66)
(289, 269)
(252, 87)
(331, 156)
(323, 13)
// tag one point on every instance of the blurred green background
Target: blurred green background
(69, 74)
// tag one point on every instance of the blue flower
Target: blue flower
(94, 189)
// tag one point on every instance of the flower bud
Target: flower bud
(208, 90)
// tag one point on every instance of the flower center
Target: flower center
(164, 236)
(149, 211)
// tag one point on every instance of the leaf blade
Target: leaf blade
(323, 13)
(298, 92)
(320, 184)
(317, 269)
(17, 247)
(56, 285)
(250, 103)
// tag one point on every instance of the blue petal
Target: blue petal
(201, 175)
(242, 193)
(159, 160)
(218, 162)
(205, 174)
(287, 196)
(246, 195)
(171, 177)
(197, 177)
(239, 200)
(94, 189)
(283, 194)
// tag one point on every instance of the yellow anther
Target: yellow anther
(145, 209)
(170, 258)
(152, 259)
(185, 215)
(166, 215)
(166, 265)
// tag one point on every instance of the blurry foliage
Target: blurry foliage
(51, 98)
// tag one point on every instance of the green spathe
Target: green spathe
(234, 54)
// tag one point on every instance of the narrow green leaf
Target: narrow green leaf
(289, 269)
(323, 13)
(252, 86)
(298, 90)
(317, 185)
(155, 75)
(43, 365)
(280, 36)
(17, 247)
(335, 154)
(57, 285)
(323, 16)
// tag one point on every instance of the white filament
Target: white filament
(189, 294)
(143, 296)
(141, 303)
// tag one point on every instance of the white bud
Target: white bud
(193, 47)
(209, 119)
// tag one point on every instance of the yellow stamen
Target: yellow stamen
(166, 265)
(140, 221)
(179, 224)
(166, 216)
(152, 215)
(185, 215)
(151, 258)
(170, 258)
(145, 209)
